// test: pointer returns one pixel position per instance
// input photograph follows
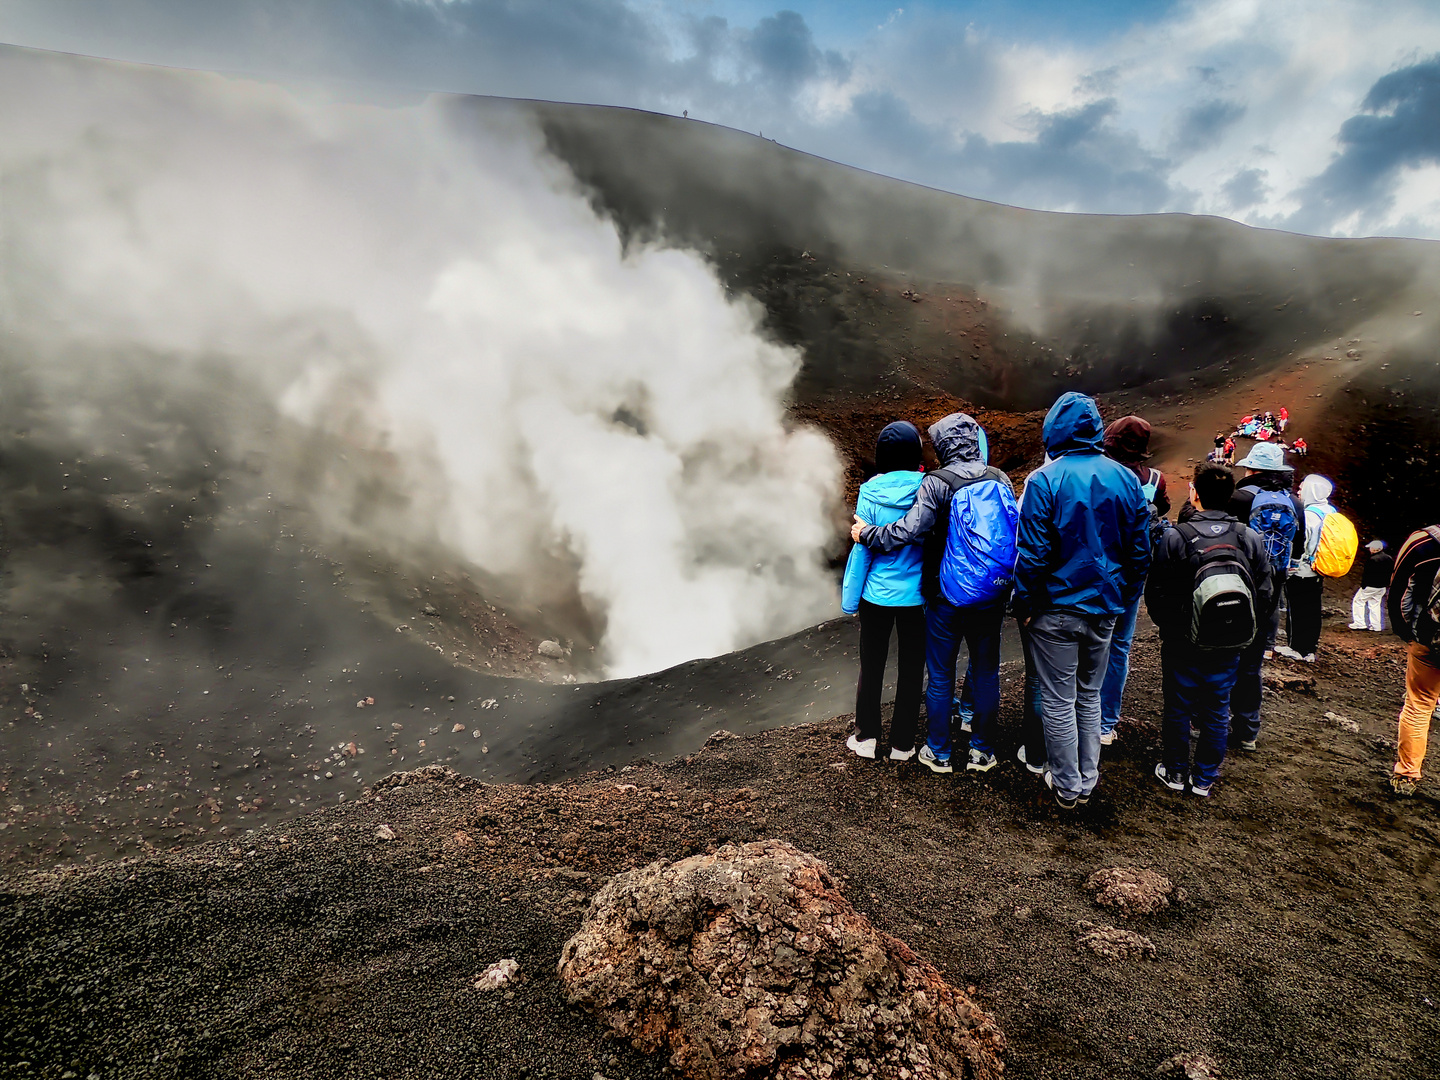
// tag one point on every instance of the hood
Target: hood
(1315, 489)
(1128, 439)
(894, 489)
(1073, 423)
(956, 439)
(898, 447)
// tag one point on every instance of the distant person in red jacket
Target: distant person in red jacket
(1284, 417)
(1299, 448)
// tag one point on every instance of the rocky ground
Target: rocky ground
(1299, 940)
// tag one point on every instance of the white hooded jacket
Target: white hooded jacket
(1315, 491)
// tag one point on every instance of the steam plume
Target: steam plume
(434, 291)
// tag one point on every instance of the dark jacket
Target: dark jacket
(1084, 543)
(1379, 568)
(1415, 568)
(1168, 593)
(956, 439)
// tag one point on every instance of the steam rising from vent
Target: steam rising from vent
(437, 296)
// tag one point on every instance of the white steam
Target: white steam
(439, 288)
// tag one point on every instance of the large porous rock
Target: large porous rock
(748, 963)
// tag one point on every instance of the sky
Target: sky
(1319, 116)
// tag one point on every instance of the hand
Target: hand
(860, 526)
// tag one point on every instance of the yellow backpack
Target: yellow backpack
(1335, 553)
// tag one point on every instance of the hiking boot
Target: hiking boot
(1173, 782)
(902, 755)
(1287, 652)
(1020, 757)
(1403, 785)
(1247, 745)
(980, 761)
(933, 763)
(1203, 790)
(861, 747)
(1060, 800)
(1107, 738)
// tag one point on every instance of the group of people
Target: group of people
(941, 556)
(1262, 427)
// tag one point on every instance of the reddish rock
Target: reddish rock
(749, 963)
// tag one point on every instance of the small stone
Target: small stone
(1344, 723)
(1191, 1065)
(1131, 890)
(1111, 943)
(489, 703)
(457, 727)
(499, 974)
(475, 734)
(384, 832)
(553, 649)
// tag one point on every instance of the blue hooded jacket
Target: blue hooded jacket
(1084, 543)
(891, 580)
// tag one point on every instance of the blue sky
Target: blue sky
(1321, 116)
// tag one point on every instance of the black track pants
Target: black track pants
(875, 625)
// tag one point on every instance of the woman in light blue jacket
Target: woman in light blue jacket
(885, 591)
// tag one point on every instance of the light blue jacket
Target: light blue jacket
(893, 579)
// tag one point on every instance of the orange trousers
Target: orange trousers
(1422, 691)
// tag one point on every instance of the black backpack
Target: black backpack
(1222, 610)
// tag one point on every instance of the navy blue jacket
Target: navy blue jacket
(1084, 524)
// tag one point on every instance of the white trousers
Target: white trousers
(1367, 610)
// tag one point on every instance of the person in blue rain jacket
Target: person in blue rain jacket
(884, 590)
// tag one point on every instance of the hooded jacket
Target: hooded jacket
(1315, 493)
(889, 580)
(1084, 525)
(956, 439)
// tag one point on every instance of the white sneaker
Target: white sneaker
(1309, 658)
(1036, 769)
(933, 763)
(1107, 738)
(862, 747)
(1352, 626)
(1287, 652)
(902, 755)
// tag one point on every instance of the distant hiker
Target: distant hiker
(1208, 587)
(1127, 441)
(1084, 549)
(884, 589)
(1229, 449)
(965, 516)
(1327, 534)
(1414, 609)
(1366, 610)
(1264, 502)
(1299, 448)
(1284, 417)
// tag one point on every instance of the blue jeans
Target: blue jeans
(1197, 686)
(945, 626)
(1118, 668)
(965, 701)
(1070, 653)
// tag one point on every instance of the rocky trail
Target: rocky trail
(1292, 935)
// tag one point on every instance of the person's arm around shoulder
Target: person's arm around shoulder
(911, 528)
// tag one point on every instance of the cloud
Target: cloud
(1397, 129)
(1201, 126)
(1246, 188)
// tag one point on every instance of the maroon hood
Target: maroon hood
(1128, 439)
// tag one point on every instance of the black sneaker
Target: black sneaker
(1174, 783)
(1060, 800)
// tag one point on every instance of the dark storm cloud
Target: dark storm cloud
(1399, 127)
(1201, 126)
(1246, 188)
